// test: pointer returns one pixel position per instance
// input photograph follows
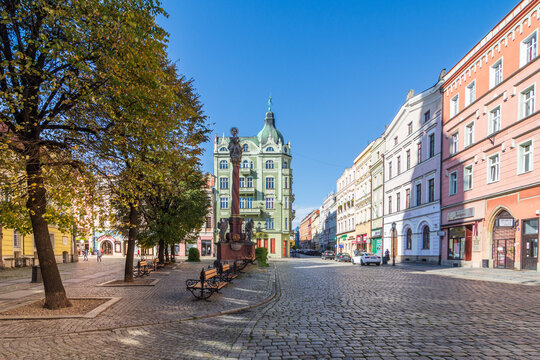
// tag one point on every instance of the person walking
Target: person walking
(99, 254)
(85, 255)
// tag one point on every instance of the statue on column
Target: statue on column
(234, 146)
(223, 225)
(249, 230)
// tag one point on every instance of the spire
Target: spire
(270, 103)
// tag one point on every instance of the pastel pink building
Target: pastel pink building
(490, 174)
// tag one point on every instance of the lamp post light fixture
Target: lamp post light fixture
(393, 244)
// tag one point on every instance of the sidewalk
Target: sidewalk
(523, 277)
(168, 301)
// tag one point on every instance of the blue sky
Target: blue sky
(338, 71)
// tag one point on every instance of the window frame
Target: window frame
(489, 180)
(223, 164)
(424, 240)
(468, 177)
(523, 53)
(223, 202)
(470, 126)
(418, 193)
(269, 164)
(408, 239)
(452, 183)
(427, 116)
(431, 190)
(454, 143)
(494, 72)
(431, 145)
(224, 183)
(270, 180)
(269, 203)
(470, 90)
(491, 117)
(522, 101)
(520, 154)
(454, 106)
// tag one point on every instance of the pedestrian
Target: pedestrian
(99, 254)
(86, 255)
(387, 255)
(138, 253)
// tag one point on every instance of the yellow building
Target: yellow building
(18, 250)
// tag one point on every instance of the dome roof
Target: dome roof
(269, 130)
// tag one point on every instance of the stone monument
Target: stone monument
(235, 244)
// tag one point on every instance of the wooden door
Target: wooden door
(529, 244)
(284, 248)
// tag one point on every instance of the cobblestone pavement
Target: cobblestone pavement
(323, 310)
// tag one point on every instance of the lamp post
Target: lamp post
(393, 244)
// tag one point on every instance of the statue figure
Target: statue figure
(234, 146)
(223, 226)
(249, 230)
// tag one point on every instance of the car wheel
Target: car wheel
(362, 263)
(378, 263)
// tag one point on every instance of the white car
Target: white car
(366, 259)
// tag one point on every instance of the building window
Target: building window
(496, 74)
(470, 93)
(286, 203)
(409, 239)
(467, 178)
(495, 120)
(389, 169)
(418, 194)
(269, 148)
(407, 198)
(17, 239)
(528, 49)
(286, 182)
(409, 128)
(425, 238)
(469, 134)
(427, 116)
(398, 165)
(249, 182)
(269, 164)
(431, 145)
(525, 157)
(493, 168)
(251, 164)
(527, 102)
(419, 153)
(223, 202)
(223, 149)
(223, 164)
(452, 184)
(398, 201)
(389, 204)
(249, 203)
(269, 224)
(208, 223)
(242, 203)
(223, 183)
(454, 142)
(245, 164)
(286, 224)
(269, 202)
(408, 159)
(269, 182)
(530, 238)
(285, 164)
(242, 182)
(454, 105)
(245, 148)
(431, 190)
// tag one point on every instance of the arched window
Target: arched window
(245, 164)
(245, 147)
(269, 164)
(223, 164)
(223, 149)
(251, 165)
(425, 238)
(409, 239)
(285, 164)
(269, 148)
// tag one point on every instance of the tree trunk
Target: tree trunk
(55, 294)
(167, 253)
(172, 253)
(1, 240)
(161, 252)
(132, 234)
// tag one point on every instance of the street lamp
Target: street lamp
(393, 244)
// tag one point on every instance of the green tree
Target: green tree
(58, 61)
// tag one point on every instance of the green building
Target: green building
(265, 186)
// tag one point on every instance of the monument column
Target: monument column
(236, 221)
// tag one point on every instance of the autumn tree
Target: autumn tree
(58, 59)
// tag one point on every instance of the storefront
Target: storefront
(361, 243)
(460, 243)
(376, 241)
(529, 241)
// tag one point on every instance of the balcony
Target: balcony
(251, 212)
(247, 190)
(245, 171)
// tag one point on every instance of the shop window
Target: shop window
(460, 243)
(409, 239)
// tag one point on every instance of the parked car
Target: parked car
(328, 254)
(343, 257)
(369, 258)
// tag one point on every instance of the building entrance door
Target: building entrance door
(503, 241)
(206, 249)
(529, 244)
(106, 246)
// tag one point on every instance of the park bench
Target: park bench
(208, 284)
(143, 268)
(227, 272)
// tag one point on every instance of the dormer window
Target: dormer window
(223, 149)
(269, 164)
(269, 148)
(245, 164)
(245, 147)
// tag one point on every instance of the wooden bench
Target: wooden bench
(143, 268)
(227, 273)
(207, 285)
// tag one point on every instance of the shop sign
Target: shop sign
(506, 222)
(376, 233)
(476, 247)
(459, 214)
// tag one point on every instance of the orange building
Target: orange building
(490, 201)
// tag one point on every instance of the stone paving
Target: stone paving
(323, 310)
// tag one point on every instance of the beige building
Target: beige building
(362, 204)
(345, 211)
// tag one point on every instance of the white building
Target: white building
(362, 170)
(327, 222)
(345, 211)
(412, 163)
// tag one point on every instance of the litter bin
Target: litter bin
(36, 274)
(485, 263)
(65, 257)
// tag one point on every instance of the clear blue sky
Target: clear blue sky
(338, 71)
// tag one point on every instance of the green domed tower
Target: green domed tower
(265, 186)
